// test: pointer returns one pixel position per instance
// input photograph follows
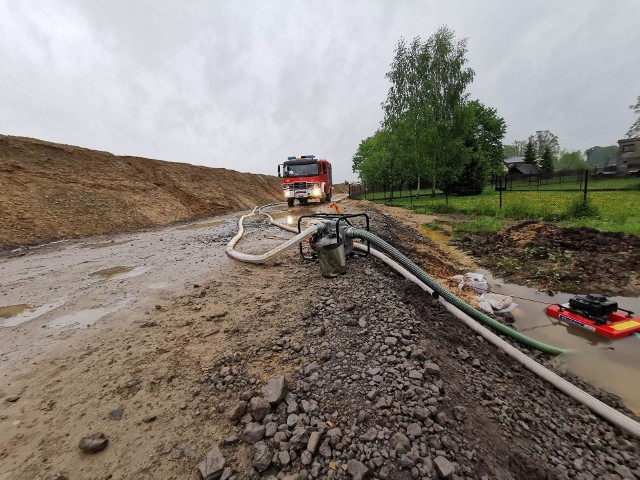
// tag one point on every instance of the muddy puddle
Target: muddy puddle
(16, 315)
(119, 272)
(81, 319)
(609, 364)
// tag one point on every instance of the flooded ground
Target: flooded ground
(58, 289)
(608, 364)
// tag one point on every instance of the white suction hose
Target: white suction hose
(246, 257)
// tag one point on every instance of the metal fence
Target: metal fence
(560, 195)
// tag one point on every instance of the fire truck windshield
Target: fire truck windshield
(297, 169)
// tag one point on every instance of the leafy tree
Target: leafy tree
(634, 130)
(547, 162)
(601, 156)
(571, 160)
(530, 153)
(484, 142)
(545, 139)
(428, 80)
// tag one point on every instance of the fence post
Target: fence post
(586, 182)
(500, 188)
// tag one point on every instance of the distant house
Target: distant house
(518, 167)
(628, 155)
(513, 161)
(526, 169)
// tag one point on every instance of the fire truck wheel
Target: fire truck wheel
(290, 202)
(328, 198)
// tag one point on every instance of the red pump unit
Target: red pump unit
(598, 314)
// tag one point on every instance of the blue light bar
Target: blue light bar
(302, 157)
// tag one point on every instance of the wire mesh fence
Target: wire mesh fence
(557, 196)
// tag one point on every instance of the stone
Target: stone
(421, 413)
(292, 420)
(57, 476)
(261, 457)
(253, 432)
(325, 449)
(12, 398)
(150, 418)
(400, 439)
(445, 467)
(460, 413)
(284, 458)
(306, 458)
(432, 368)
(238, 411)
(116, 414)
(270, 429)
(258, 408)
(415, 375)
(212, 466)
(414, 429)
(370, 435)
(357, 469)
(275, 390)
(314, 441)
(391, 341)
(94, 443)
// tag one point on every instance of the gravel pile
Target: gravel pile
(389, 385)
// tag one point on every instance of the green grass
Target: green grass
(483, 225)
(616, 211)
(433, 225)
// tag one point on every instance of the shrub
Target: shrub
(580, 208)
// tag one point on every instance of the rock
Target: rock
(445, 467)
(212, 466)
(116, 414)
(421, 413)
(292, 420)
(270, 429)
(12, 398)
(253, 432)
(414, 429)
(325, 449)
(284, 458)
(238, 411)
(334, 432)
(357, 470)
(275, 390)
(432, 368)
(258, 408)
(94, 443)
(314, 441)
(460, 413)
(370, 435)
(261, 457)
(57, 476)
(306, 458)
(415, 375)
(400, 439)
(230, 439)
(150, 418)
(391, 341)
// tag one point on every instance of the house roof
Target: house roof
(526, 169)
(511, 160)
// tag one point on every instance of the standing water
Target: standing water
(608, 364)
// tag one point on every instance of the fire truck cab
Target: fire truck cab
(304, 177)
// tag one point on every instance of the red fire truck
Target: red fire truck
(305, 177)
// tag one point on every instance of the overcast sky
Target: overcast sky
(243, 85)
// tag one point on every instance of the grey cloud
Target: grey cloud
(243, 84)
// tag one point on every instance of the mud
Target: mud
(549, 257)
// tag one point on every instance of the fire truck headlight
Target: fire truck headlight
(316, 191)
(288, 193)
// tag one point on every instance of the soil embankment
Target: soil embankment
(52, 191)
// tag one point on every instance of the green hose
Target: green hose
(447, 295)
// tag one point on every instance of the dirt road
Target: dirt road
(153, 338)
